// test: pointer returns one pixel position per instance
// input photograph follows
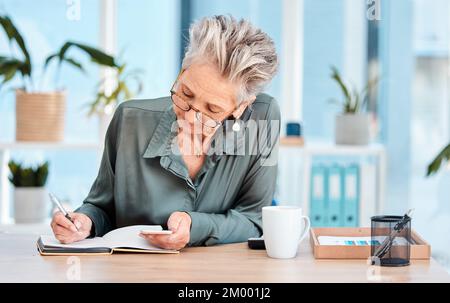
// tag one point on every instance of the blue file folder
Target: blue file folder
(335, 195)
(318, 195)
(351, 196)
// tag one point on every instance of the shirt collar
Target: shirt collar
(166, 130)
(159, 144)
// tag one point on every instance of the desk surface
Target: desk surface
(21, 262)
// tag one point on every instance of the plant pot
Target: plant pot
(40, 116)
(31, 204)
(352, 129)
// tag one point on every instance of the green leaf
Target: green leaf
(42, 174)
(14, 168)
(74, 63)
(10, 66)
(126, 90)
(335, 75)
(14, 65)
(28, 176)
(94, 54)
(49, 59)
(14, 35)
(356, 100)
(435, 165)
(121, 68)
(9, 74)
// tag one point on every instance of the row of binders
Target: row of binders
(335, 195)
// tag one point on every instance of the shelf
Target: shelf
(325, 148)
(49, 145)
(292, 141)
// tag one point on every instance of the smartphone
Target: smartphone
(156, 232)
(256, 243)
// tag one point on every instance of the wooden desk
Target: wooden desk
(20, 262)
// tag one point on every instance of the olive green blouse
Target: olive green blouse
(143, 179)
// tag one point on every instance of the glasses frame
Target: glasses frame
(197, 111)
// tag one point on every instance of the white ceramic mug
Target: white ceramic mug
(283, 230)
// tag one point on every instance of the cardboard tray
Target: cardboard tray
(419, 250)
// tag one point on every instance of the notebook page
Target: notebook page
(129, 237)
(51, 241)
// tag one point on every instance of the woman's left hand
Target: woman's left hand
(180, 225)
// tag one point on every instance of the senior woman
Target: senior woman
(188, 162)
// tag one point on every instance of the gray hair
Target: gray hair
(243, 53)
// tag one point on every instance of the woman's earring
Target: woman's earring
(236, 126)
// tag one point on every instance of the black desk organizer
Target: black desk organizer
(398, 255)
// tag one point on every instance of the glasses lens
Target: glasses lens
(205, 120)
(183, 105)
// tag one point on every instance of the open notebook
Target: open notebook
(125, 239)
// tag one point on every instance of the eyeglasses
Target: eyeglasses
(185, 106)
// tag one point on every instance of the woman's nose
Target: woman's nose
(190, 116)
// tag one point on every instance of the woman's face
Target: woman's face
(204, 88)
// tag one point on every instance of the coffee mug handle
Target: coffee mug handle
(306, 229)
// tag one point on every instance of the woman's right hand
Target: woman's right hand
(65, 230)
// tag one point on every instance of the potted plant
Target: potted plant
(40, 115)
(352, 126)
(30, 196)
(108, 97)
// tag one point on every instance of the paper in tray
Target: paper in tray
(420, 249)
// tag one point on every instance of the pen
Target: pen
(387, 243)
(61, 208)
